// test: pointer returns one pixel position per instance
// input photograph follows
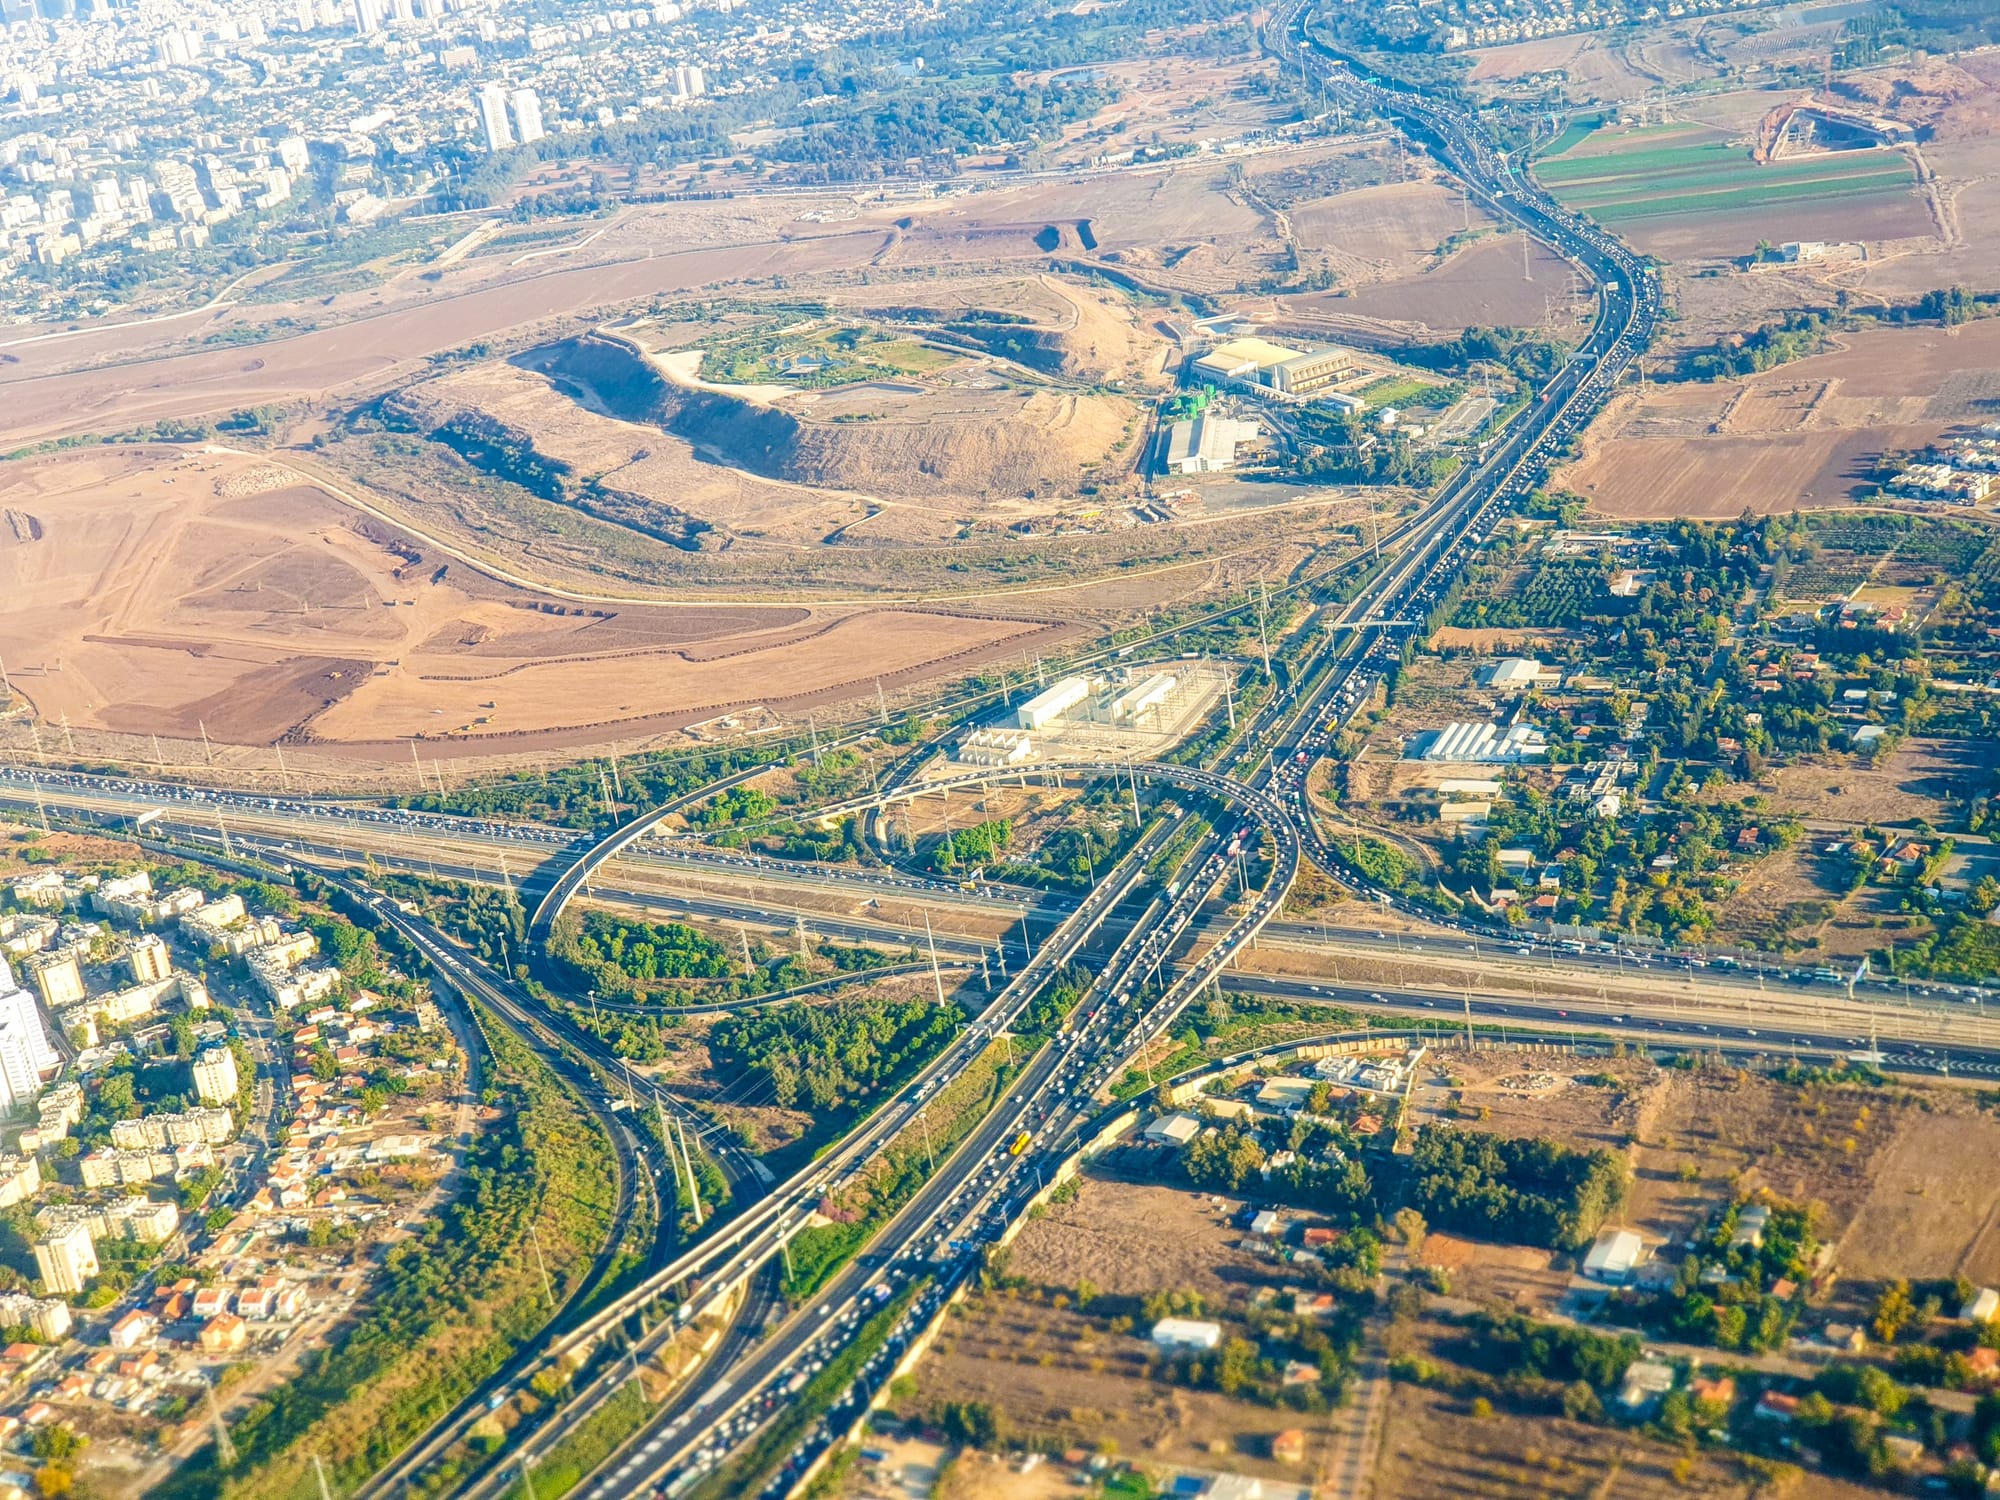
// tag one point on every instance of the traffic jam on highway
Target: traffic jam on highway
(332, 815)
(978, 1194)
(1035, 1133)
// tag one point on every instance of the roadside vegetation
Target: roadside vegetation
(456, 1300)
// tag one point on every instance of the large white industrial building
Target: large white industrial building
(1275, 369)
(1052, 703)
(1205, 444)
(1143, 697)
(1486, 744)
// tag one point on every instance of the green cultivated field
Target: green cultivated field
(1673, 172)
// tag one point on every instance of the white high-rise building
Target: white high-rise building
(67, 1259)
(25, 1053)
(366, 15)
(493, 117)
(215, 1078)
(527, 116)
(689, 81)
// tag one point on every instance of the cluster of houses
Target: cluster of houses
(1620, 1257)
(1943, 482)
(333, 1130)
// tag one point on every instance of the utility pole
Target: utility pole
(748, 967)
(694, 1187)
(1263, 638)
(319, 1472)
(415, 760)
(225, 1450)
(548, 1287)
(937, 979)
(683, 1167)
(631, 1094)
(284, 775)
(881, 704)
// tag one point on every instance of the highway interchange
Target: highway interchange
(1151, 943)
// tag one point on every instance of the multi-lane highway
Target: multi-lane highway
(1154, 942)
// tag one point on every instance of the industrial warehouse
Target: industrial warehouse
(1333, 376)
(1130, 712)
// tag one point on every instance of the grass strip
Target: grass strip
(749, 1471)
(818, 1253)
(1745, 198)
(602, 1434)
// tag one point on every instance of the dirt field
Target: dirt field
(1872, 219)
(1894, 1170)
(1132, 1240)
(1482, 284)
(1435, 1449)
(1187, 100)
(162, 592)
(1799, 436)
(370, 350)
(1521, 1095)
(1910, 783)
(1517, 1276)
(1062, 1376)
(1929, 1213)
(1894, 1173)
(1596, 66)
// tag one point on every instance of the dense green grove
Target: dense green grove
(829, 1059)
(1529, 1191)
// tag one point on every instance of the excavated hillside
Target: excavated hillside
(497, 419)
(984, 440)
